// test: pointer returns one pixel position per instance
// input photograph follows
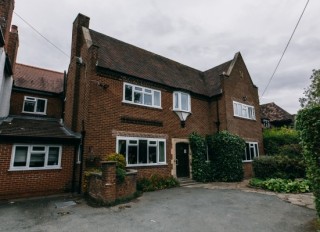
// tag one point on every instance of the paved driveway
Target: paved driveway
(178, 209)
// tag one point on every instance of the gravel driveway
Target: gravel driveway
(178, 209)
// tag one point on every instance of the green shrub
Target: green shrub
(275, 138)
(308, 124)
(282, 185)
(228, 151)
(266, 167)
(156, 182)
(202, 171)
(120, 159)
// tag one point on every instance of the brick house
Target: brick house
(37, 152)
(273, 115)
(128, 100)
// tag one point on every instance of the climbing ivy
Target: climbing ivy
(308, 124)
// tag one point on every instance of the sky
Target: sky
(201, 34)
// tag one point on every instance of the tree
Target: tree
(312, 93)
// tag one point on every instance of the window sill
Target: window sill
(33, 169)
(141, 105)
(250, 119)
(247, 161)
(146, 165)
(44, 114)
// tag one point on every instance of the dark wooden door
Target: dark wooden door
(182, 159)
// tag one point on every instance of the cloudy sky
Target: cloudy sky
(201, 34)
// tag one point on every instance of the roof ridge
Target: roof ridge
(30, 66)
(147, 51)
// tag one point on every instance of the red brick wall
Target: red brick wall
(15, 184)
(6, 11)
(54, 104)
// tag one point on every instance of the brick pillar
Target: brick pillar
(109, 180)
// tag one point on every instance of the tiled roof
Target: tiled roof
(274, 113)
(29, 127)
(30, 77)
(131, 60)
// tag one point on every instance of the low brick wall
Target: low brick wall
(248, 171)
(104, 187)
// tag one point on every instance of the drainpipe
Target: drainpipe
(83, 135)
(218, 116)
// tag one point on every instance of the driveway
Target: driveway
(179, 209)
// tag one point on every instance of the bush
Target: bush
(308, 124)
(282, 185)
(120, 159)
(202, 171)
(228, 151)
(156, 182)
(266, 167)
(274, 139)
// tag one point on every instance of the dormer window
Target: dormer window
(34, 105)
(181, 102)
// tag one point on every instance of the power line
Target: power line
(64, 53)
(285, 48)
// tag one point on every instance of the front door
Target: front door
(182, 159)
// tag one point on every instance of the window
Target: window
(251, 151)
(181, 101)
(243, 111)
(30, 157)
(142, 151)
(266, 123)
(34, 105)
(141, 96)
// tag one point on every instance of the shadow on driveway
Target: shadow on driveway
(178, 209)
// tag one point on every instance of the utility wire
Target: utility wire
(285, 49)
(64, 53)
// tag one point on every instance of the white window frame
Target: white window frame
(144, 91)
(244, 111)
(177, 97)
(255, 154)
(35, 100)
(149, 141)
(31, 151)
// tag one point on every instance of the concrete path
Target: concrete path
(301, 199)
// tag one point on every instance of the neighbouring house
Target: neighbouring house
(273, 115)
(128, 100)
(38, 153)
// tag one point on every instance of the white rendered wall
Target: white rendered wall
(5, 86)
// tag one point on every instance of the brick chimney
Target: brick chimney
(12, 45)
(6, 11)
(77, 36)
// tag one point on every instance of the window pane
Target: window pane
(152, 154)
(184, 102)
(128, 93)
(148, 90)
(138, 88)
(20, 156)
(143, 151)
(176, 101)
(29, 106)
(137, 97)
(37, 160)
(161, 152)
(252, 152)
(41, 106)
(122, 147)
(148, 99)
(247, 157)
(53, 158)
(132, 154)
(256, 150)
(38, 148)
(156, 95)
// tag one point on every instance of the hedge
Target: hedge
(308, 124)
(266, 167)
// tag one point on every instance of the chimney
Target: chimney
(77, 36)
(6, 11)
(12, 45)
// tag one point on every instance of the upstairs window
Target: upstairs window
(181, 101)
(243, 110)
(141, 96)
(34, 105)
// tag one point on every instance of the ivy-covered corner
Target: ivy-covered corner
(308, 124)
(217, 157)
